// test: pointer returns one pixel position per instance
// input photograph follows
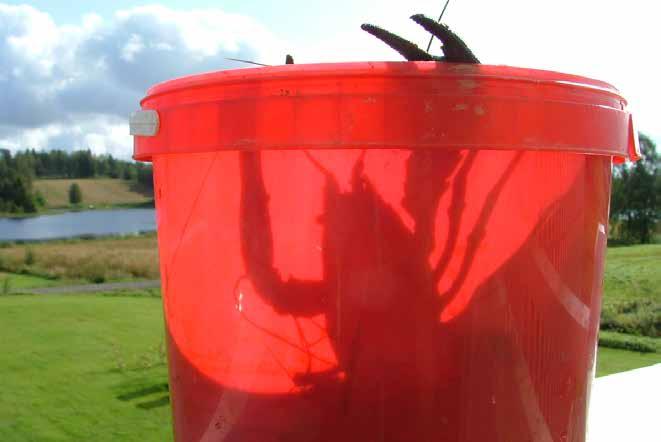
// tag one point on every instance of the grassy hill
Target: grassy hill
(99, 192)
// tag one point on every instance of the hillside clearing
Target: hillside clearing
(100, 192)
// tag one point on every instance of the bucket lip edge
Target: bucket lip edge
(379, 70)
(584, 151)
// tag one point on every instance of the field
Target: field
(109, 259)
(99, 192)
(632, 286)
(92, 367)
(82, 368)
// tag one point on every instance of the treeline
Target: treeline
(635, 212)
(18, 171)
(77, 164)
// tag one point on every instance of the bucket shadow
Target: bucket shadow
(145, 392)
(158, 388)
(161, 402)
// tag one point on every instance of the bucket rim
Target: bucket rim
(378, 69)
(510, 96)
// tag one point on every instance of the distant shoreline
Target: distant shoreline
(80, 208)
(78, 238)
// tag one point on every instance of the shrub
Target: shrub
(39, 199)
(75, 194)
(628, 342)
(6, 285)
(29, 257)
(637, 317)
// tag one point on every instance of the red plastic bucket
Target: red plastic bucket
(382, 251)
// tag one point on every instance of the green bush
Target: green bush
(629, 342)
(636, 317)
(6, 285)
(29, 257)
(75, 194)
(39, 199)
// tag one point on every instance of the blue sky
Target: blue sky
(71, 72)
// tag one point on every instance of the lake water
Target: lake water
(72, 224)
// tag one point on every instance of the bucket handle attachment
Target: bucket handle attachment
(633, 145)
(144, 123)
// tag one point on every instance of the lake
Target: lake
(73, 224)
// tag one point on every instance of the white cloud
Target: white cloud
(73, 87)
(101, 134)
(133, 47)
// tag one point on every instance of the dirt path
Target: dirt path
(94, 288)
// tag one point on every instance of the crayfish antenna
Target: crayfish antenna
(408, 50)
(454, 48)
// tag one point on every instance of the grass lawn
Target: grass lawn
(82, 368)
(100, 192)
(633, 273)
(611, 360)
(10, 282)
(632, 290)
(92, 367)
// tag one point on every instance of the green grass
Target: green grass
(92, 367)
(99, 192)
(18, 281)
(611, 360)
(632, 290)
(633, 272)
(78, 368)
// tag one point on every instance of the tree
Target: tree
(634, 201)
(16, 194)
(83, 166)
(113, 168)
(128, 173)
(75, 194)
(144, 175)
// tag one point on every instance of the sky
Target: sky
(72, 72)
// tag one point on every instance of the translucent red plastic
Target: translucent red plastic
(383, 251)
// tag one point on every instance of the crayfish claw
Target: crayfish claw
(408, 50)
(454, 48)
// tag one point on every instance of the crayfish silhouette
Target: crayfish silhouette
(379, 289)
(378, 292)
